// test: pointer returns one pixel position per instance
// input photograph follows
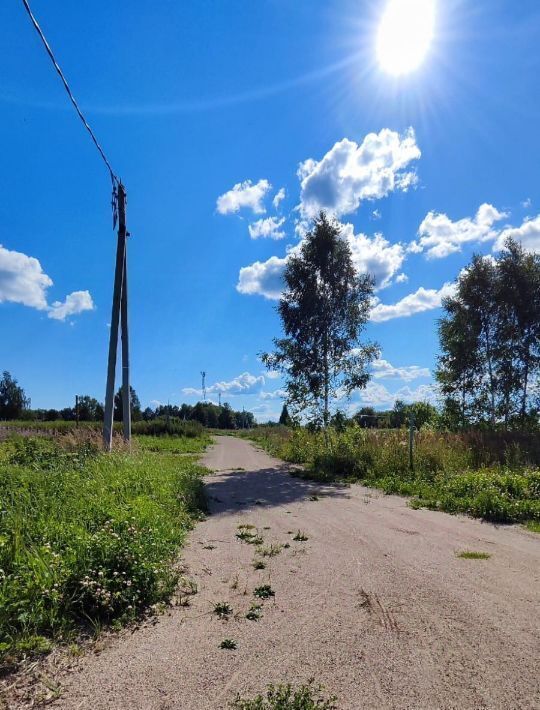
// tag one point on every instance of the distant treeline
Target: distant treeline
(15, 405)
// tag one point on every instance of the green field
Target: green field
(89, 539)
(486, 476)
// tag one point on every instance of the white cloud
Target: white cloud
(263, 277)
(439, 236)
(276, 394)
(374, 255)
(402, 278)
(74, 303)
(245, 383)
(527, 204)
(376, 214)
(424, 299)
(273, 375)
(528, 234)
(384, 369)
(377, 395)
(269, 227)
(279, 197)
(352, 172)
(22, 280)
(244, 195)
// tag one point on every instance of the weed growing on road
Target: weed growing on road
(265, 591)
(245, 534)
(300, 536)
(469, 555)
(228, 644)
(258, 564)
(254, 613)
(222, 609)
(270, 551)
(285, 697)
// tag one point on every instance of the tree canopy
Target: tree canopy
(323, 310)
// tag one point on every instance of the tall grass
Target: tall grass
(495, 478)
(87, 538)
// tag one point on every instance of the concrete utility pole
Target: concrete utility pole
(119, 313)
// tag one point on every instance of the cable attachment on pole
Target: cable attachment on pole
(114, 205)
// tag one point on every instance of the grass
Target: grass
(222, 610)
(245, 534)
(489, 475)
(470, 555)
(300, 536)
(265, 591)
(285, 697)
(533, 525)
(270, 551)
(228, 644)
(87, 539)
(258, 564)
(254, 613)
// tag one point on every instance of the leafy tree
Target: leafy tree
(490, 340)
(90, 410)
(324, 308)
(285, 417)
(366, 417)
(13, 401)
(227, 419)
(422, 413)
(136, 414)
(398, 415)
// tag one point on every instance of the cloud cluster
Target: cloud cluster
(528, 234)
(267, 228)
(423, 299)
(375, 255)
(22, 280)
(244, 195)
(382, 369)
(377, 395)
(264, 278)
(74, 303)
(246, 383)
(350, 172)
(439, 236)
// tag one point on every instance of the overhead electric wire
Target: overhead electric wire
(60, 73)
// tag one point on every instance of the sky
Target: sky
(230, 127)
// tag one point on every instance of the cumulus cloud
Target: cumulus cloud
(278, 197)
(382, 369)
(424, 299)
(439, 236)
(528, 234)
(267, 228)
(74, 303)
(350, 172)
(276, 394)
(22, 280)
(374, 255)
(263, 277)
(245, 383)
(273, 374)
(244, 195)
(377, 395)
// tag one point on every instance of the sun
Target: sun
(405, 35)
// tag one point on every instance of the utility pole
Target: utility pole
(219, 398)
(119, 313)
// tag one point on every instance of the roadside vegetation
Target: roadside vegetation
(286, 697)
(485, 475)
(89, 539)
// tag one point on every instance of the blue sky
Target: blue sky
(286, 101)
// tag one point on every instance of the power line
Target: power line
(114, 179)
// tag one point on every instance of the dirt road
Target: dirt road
(375, 604)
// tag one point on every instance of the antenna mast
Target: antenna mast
(203, 376)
